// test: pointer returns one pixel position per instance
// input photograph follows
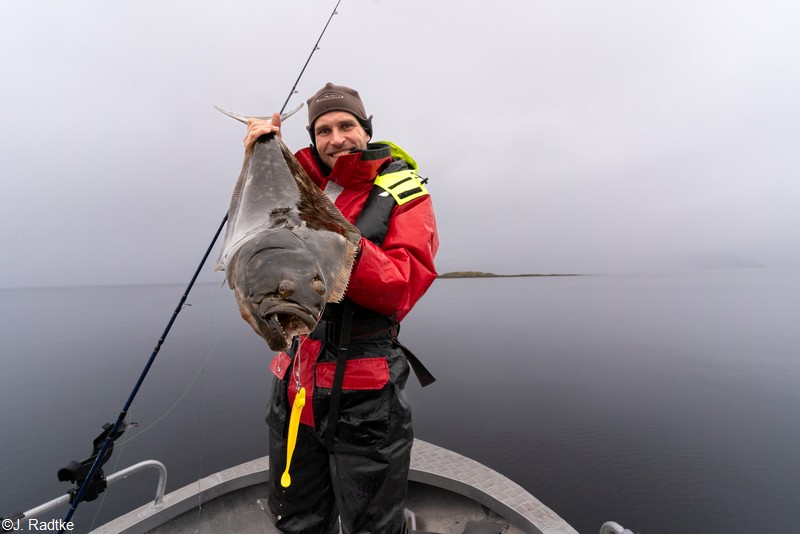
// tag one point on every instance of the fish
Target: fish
(287, 251)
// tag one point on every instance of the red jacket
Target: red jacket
(390, 278)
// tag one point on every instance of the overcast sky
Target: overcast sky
(558, 136)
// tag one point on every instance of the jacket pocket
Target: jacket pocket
(359, 374)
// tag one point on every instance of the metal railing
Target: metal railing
(124, 473)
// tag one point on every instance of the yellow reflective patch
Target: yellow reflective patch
(402, 185)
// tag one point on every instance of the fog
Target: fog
(557, 136)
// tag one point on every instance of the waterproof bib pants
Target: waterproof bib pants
(362, 477)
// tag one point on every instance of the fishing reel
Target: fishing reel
(77, 472)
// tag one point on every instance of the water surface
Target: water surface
(665, 402)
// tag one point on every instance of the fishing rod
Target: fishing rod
(77, 472)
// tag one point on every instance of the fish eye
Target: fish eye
(286, 288)
(318, 286)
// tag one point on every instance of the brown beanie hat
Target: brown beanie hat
(335, 98)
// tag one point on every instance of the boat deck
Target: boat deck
(448, 494)
(436, 510)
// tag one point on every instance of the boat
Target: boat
(447, 493)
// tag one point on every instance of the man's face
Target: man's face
(337, 133)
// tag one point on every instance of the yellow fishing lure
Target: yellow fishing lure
(294, 425)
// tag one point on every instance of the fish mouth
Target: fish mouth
(282, 321)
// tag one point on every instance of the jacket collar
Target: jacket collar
(351, 170)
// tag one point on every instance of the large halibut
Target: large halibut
(287, 250)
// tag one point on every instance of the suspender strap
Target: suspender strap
(424, 376)
(338, 377)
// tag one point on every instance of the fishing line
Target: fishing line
(180, 398)
(200, 442)
(209, 352)
(115, 429)
(169, 410)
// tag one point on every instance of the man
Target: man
(353, 446)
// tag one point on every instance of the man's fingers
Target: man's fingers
(276, 124)
(258, 127)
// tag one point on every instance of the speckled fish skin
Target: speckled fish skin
(288, 250)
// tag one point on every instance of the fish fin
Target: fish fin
(315, 208)
(341, 275)
(243, 118)
(288, 114)
(233, 211)
(318, 213)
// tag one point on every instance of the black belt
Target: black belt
(331, 331)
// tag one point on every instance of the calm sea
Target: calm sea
(665, 402)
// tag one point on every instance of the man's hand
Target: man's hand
(257, 127)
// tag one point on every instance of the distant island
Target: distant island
(481, 274)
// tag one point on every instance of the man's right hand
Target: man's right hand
(258, 127)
